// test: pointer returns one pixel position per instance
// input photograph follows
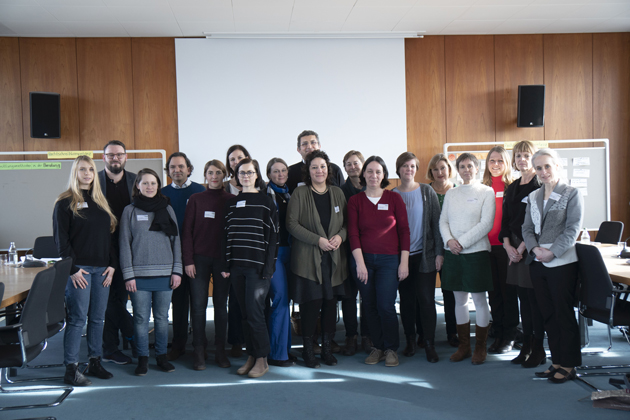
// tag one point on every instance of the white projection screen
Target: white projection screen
(262, 93)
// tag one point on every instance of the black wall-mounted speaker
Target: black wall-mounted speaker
(531, 106)
(45, 115)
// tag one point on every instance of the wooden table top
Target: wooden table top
(17, 283)
(618, 268)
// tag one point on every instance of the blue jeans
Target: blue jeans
(142, 302)
(81, 305)
(279, 318)
(379, 299)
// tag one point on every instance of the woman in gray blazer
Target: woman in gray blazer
(552, 223)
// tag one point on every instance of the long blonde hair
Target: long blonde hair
(506, 177)
(76, 196)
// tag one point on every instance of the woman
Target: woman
(250, 245)
(426, 254)
(553, 220)
(151, 264)
(204, 223)
(440, 172)
(514, 205)
(234, 155)
(82, 227)
(316, 221)
(379, 239)
(279, 317)
(503, 300)
(466, 219)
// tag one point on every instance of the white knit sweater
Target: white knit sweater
(467, 216)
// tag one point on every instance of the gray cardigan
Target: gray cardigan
(145, 253)
(304, 225)
(556, 226)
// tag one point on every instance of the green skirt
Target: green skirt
(467, 272)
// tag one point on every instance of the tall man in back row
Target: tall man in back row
(179, 191)
(307, 142)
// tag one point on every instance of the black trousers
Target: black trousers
(555, 289)
(117, 318)
(531, 318)
(309, 312)
(503, 299)
(349, 306)
(181, 308)
(235, 319)
(417, 295)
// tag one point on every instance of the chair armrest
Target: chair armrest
(9, 334)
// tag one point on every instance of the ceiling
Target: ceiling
(191, 18)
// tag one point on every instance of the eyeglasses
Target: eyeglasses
(111, 156)
(246, 174)
(312, 143)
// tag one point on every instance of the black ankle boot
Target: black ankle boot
(526, 350)
(307, 353)
(410, 349)
(163, 363)
(74, 377)
(429, 348)
(327, 354)
(96, 369)
(537, 356)
(143, 365)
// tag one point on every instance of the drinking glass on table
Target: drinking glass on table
(621, 246)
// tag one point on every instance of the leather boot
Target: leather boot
(316, 348)
(327, 353)
(537, 356)
(526, 350)
(410, 349)
(429, 348)
(308, 354)
(366, 343)
(463, 350)
(74, 376)
(495, 344)
(199, 361)
(481, 337)
(220, 357)
(350, 349)
(143, 365)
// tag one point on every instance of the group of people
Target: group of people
(310, 237)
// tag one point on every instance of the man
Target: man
(117, 186)
(179, 191)
(307, 142)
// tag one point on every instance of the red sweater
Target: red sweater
(204, 223)
(380, 228)
(499, 187)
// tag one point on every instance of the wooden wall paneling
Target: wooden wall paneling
(518, 60)
(50, 65)
(155, 95)
(469, 75)
(611, 113)
(426, 99)
(569, 93)
(11, 136)
(105, 91)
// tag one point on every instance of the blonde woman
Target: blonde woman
(82, 228)
(503, 299)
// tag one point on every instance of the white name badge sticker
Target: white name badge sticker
(383, 206)
(525, 200)
(554, 196)
(472, 200)
(84, 205)
(208, 214)
(499, 194)
(300, 184)
(336, 209)
(240, 204)
(143, 217)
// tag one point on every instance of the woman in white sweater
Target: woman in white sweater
(467, 217)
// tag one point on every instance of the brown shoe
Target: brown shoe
(336, 348)
(391, 358)
(249, 364)
(481, 337)
(199, 360)
(376, 355)
(463, 350)
(259, 369)
(175, 353)
(220, 358)
(350, 349)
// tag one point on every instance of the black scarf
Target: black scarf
(162, 221)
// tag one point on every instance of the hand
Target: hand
(362, 273)
(335, 242)
(176, 280)
(191, 271)
(325, 245)
(403, 271)
(439, 261)
(78, 280)
(109, 275)
(225, 275)
(543, 254)
(454, 246)
(513, 255)
(131, 286)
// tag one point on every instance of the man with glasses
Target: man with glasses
(117, 185)
(308, 141)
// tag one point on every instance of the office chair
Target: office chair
(45, 247)
(609, 233)
(1, 291)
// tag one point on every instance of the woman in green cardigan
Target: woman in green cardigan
(316, 221)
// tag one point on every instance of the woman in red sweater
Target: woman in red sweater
(503, 298)
(379, 239)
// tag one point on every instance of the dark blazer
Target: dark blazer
(131, 178)
(295, 176)
(514, 208)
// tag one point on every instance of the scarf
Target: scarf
(162, 220)
(273, 189)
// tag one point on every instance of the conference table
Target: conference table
(17, 282)
(618, 268)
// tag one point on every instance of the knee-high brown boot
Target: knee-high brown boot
(463, 350)
(481, 337)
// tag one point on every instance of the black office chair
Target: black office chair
(24, 341)
(45, 247)
(609, 233)
(1, 291)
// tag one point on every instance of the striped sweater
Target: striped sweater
(251, 233)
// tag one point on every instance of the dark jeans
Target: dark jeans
(531, 318)
(181, 308)
(278, 316)
(349, 305)
(309, 312)
(555, 289)
(379, 298)
(418, 288)
(235, 319)
(449, 311)
(503, 299)
(116, 315)
(251, 291)
(199, 286)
